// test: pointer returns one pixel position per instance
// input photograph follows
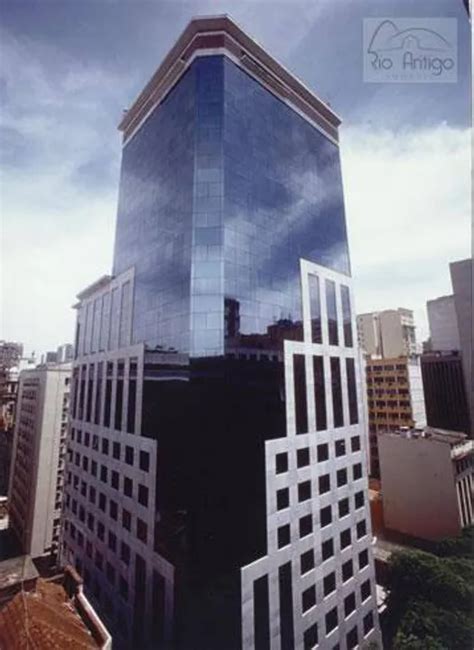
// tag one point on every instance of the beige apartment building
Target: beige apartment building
(37, 470)
(427, 482)
(388, 334)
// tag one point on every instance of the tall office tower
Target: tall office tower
(37, 472)
(395, 399)
(388, 334)
(217, 488)
(444, 334)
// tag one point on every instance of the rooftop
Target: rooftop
(221, 35)
(17, 570)
(451, 438)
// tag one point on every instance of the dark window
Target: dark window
(92, 494)
(341, 477)
(355, 443)
(346, 316)
(100, 530)
(336, 391)
(127, 486)
(319, 393)
(352, 639)
(310, 637)
(365, 590)
(331, 312)
(357, 471)
(93, 468)
(126, 519)
(340, 447)
(102, 501)
(142, 495)
(359, 500)
(324, 483)
(306, 525)
(329, 583)
(308, 598)
(301, 411)
(345, 538)
(283, 535)
(131, 407)
(327, 549)
(283, 498)
(129, 454)
(323, 452)
(142, 530)
(90, 522)
(331, 620)
(118, 402)
(281, 461)
(361, 529)
(343, 507)
(261, 613)
(304, 491)
(98, 392)
(112, 541)
(113, 510)
(107, 402)
(105, 446)
(116, 450)
(125, 553)
(307, 561)
(302, 457)
(287, 634)
(114, 479)
(368, 623)
(349, 604)
(90, 384)
(325, 516)
(363, 559)
(352, 391)
(103, 473)
(347, 571)
(315, 308)
(144, 461)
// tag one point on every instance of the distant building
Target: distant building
(395, 399)
(443, 324)
(10, 353)
(444, 391)
(65, 353)
(388, 334)
(41, 614)
(427, 482)
(37, 474)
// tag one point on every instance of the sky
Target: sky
(68, 69)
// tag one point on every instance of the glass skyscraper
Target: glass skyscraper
(216, 482)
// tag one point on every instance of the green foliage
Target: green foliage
(462, 546)
(430, 600)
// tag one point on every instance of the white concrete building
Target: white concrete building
(427, 482)
(443, 324)
(36, 478)
(388, 334)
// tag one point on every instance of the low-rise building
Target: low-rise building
(427, 482)
(37, 470)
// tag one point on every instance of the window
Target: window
(329, 583)
(355, 443)
(92, 494)
(327, 549)
(352, 639)
(319, 393)
(103, 473)
(352, 391)
(361, 529)
(126, 519)
(116, 450)
(304, 491)
(144, 461)
(359, 500)
(347, 571)
(368, 623)
(283, 498)
(113, 510)
(299, 380)
(365, 590)
(112, 541)
(100, 530)
(335, 365)
(315, 308)
(90, 522)
(346, 316)
(357, 471)
(307, 561)
(343, 507)
(340, 447)
(345, 538)
(331, 620)
(324, 483)
(142, 530)
(310, 637)
(127, 486)
(308, 598)
(325, 516)
(105, 446)
(306, 525)
(142, 495)
(129, 453)
(125, 553)
(281, 461)
(341, 477)
(302, 457)
(114, 479)
(363, 559)
(349, 604)
(323, 452)
(283, 535)
(102, 501)
(331, 312)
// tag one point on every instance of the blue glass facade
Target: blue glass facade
(224, 188)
